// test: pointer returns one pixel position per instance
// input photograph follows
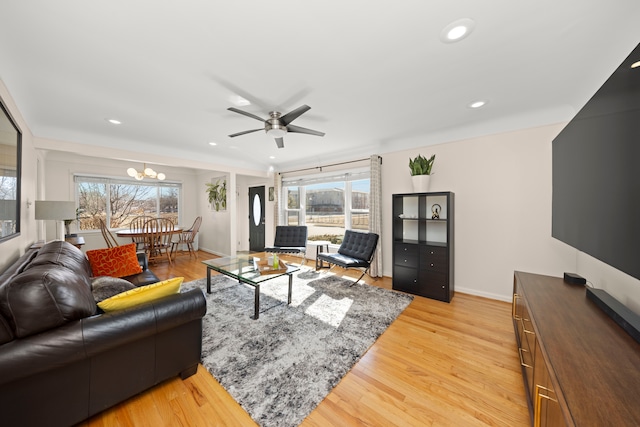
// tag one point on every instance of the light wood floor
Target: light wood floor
(438, 364)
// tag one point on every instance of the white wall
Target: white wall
(219, 229)
(60, 168)
(502, 186)
(226, 232)
(11, 249)
(215, 231)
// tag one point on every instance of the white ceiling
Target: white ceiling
(375, 73)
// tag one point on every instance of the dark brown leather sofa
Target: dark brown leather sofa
(62, 362)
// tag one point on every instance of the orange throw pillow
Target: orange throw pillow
(119, 261)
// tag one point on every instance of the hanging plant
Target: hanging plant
(217, 194)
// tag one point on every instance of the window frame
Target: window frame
(302, 181)
(110, 180)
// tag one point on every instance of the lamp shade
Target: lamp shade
(58, 210)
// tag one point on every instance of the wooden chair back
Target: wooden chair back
(187, 238)
(108, 237)
(137, 223)
(158, 233)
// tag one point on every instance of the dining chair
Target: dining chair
(187, 237)
(137, 223)
(108, 237)
(158, 233)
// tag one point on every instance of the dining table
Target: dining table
(141, 232)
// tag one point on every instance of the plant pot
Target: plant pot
(420, 183)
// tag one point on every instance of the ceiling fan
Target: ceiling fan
(278, 125)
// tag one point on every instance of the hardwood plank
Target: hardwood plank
(437, 364)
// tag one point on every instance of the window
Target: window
(327, 205)
(118, 201)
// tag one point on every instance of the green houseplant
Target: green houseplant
(421, 165)
(217, 194)
(420, 168)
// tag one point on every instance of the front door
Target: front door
(256, 219)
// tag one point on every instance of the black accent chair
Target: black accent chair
(356, 251)
(290, 239)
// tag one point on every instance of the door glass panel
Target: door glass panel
(257, 213)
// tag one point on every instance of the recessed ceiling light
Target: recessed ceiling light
(213, 143)
(477, 104)
(635, 64)
(272, 157)
(114, 121)
(457, 30)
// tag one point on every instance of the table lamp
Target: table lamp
(58, 211)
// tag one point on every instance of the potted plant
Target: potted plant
(217, 194)
(420, 168)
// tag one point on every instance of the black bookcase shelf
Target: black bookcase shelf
(423, 244)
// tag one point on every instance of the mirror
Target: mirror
(10, 162)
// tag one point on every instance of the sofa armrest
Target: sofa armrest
(104, 332)
(142, 259)
(87, 337)
(146, 277)
(42, 352)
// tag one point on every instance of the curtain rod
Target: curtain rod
(328, 166)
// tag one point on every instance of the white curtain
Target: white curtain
(375, 212)
(277, 189)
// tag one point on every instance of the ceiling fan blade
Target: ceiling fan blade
(242, 93)
(280, 142)
(244, 113)
(292, 115)
(244, 132)
(298, 129)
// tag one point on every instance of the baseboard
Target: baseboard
(488, 295)
(212, 252)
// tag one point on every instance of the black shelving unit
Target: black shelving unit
(423, 244)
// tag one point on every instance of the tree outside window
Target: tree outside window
(117, 202)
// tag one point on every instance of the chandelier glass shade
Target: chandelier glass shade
(146, 173)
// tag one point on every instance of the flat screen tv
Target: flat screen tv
(596, 173)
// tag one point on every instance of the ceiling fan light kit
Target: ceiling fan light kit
(278, 125)
(273, 127)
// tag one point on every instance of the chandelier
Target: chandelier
(146, 173)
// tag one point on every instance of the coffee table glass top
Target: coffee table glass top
(249, 268)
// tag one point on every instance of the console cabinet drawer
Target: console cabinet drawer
(434, 259)
(436, 285)
(405, 254)
(406, 279)
(435, 253)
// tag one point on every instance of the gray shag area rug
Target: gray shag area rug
(281, 366)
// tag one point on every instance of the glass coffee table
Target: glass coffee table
(251, 269)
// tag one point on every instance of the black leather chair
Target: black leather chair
(290, 239)
(356, 251)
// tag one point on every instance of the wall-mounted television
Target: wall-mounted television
(596, 173)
